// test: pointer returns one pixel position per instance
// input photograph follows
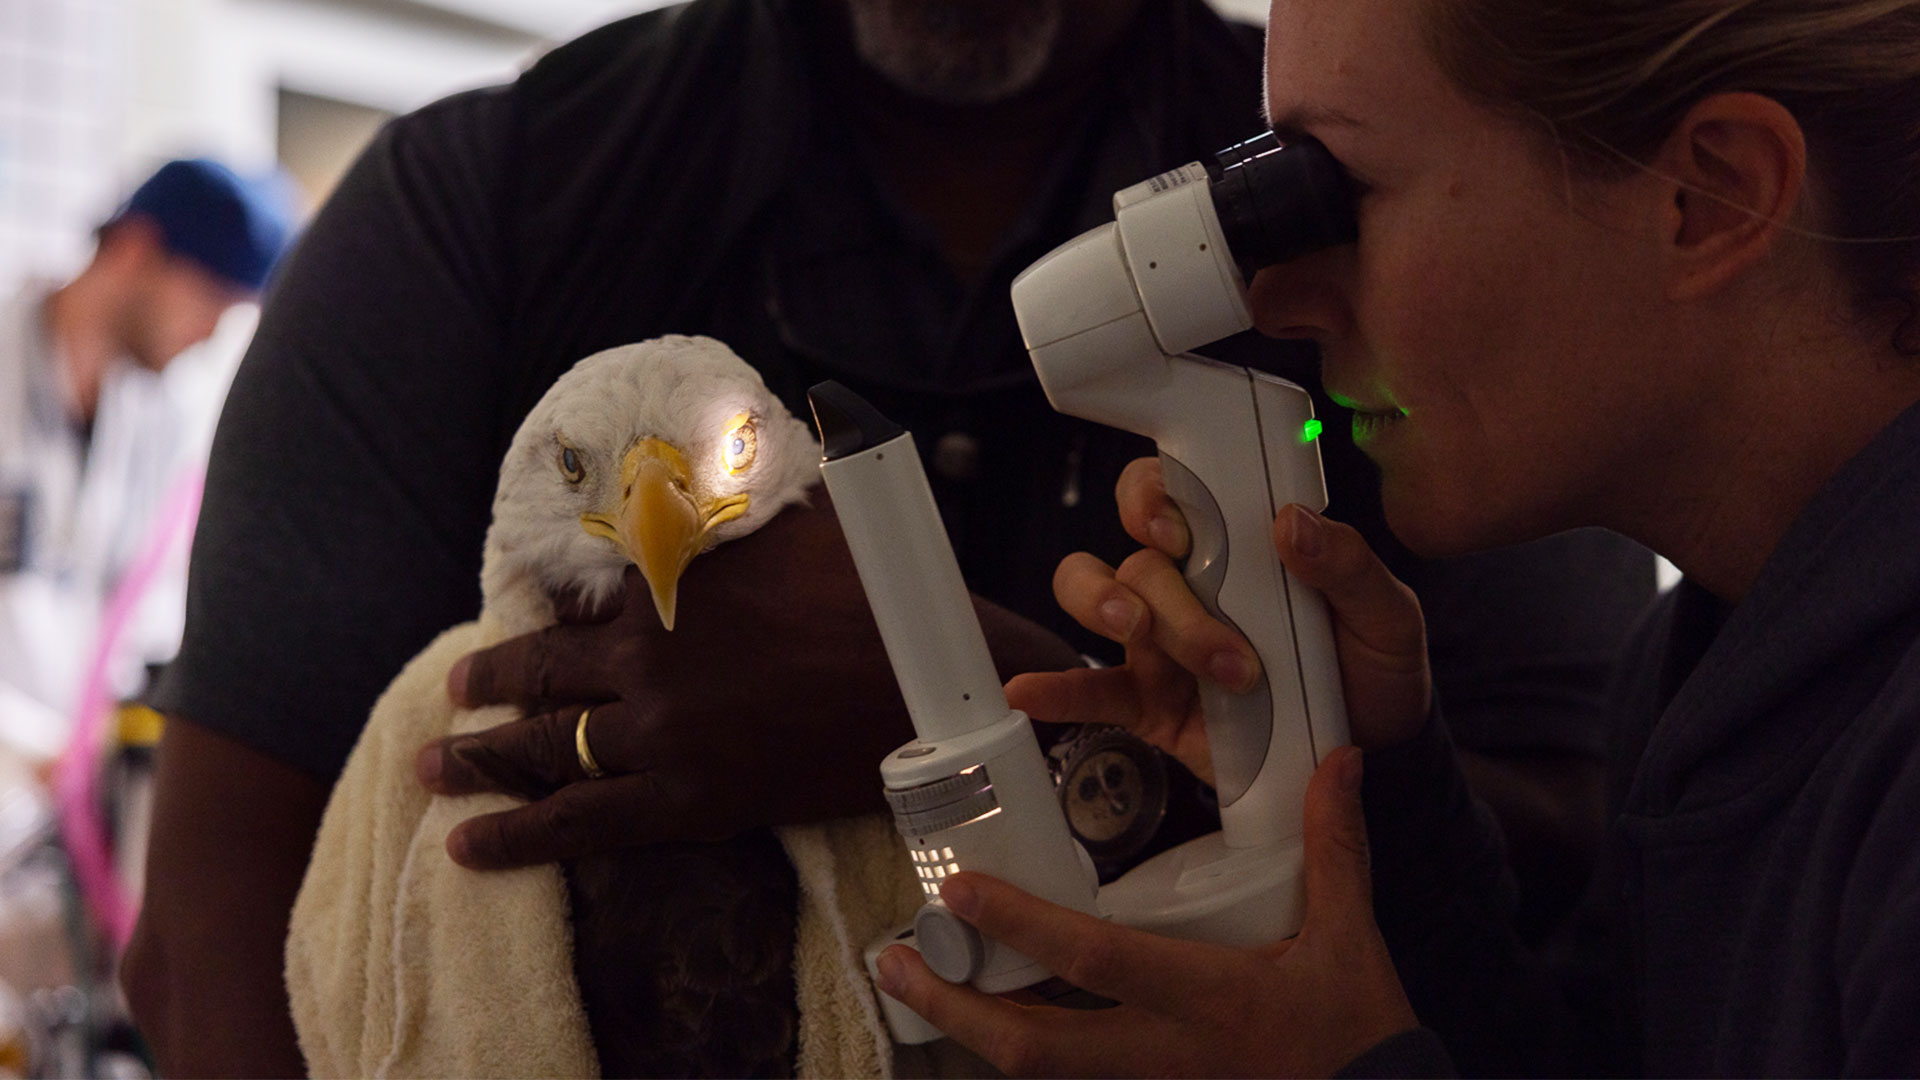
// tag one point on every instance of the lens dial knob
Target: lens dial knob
(951, 947)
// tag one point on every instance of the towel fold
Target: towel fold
(401, 963)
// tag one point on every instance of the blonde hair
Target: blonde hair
(1612, 78)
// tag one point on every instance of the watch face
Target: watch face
(1104, 795)
(1113, 788)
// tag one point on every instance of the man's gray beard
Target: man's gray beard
(957, 52)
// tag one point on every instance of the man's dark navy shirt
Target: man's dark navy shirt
(691, 171)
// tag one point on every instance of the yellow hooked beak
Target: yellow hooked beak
(659, 523)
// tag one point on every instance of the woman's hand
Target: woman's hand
(1306, 1006)
(1170, 639)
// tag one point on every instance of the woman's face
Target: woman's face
(1500, 328)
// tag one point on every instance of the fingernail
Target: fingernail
(1168, 535)
(1309, 535)
(1351, 768)
(960, 895)
(1231, 670)
(426, 765)
(1121, 616)
(459, 848)
(457, 680)
(893, 974)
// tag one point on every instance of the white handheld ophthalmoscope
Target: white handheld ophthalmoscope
(972, 789)
(1108, 318)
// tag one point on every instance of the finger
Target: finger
(574, 821)
(1020, 1040)
(1127, 965)
(1339, 882)
(1086, 590)
(1152, 697)
(1146, 512)
(535, 671)
(1080, 696)
(992, 1026)
(1363, 594)
(1183, 628)
(531, 756)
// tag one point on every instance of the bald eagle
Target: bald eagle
(399, 961)
(648, 455)
(644, 455)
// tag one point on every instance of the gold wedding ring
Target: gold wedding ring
(587, 764)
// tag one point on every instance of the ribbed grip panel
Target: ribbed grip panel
(955, 800)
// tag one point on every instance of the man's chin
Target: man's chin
(957, 52)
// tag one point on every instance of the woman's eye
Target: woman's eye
(571, 466)
(737, 449)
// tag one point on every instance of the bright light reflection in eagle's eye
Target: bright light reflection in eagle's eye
(737, 448)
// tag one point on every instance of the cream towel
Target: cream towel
(400, 963)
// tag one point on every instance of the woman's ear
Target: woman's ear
(1737, 163)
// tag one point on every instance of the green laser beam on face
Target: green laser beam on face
(1310, 432)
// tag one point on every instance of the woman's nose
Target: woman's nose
(1302, 298)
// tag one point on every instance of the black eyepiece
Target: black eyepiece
(1279, 201)
(847, 422)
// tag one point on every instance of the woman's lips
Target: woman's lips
(1371, 419)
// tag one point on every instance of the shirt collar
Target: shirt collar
(844, 247)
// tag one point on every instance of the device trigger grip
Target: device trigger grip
(1239, 725)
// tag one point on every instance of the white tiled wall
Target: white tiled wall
(95, 93)
(62, 91)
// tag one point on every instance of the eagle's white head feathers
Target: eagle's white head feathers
(644, 455)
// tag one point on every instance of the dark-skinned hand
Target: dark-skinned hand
(771, 702)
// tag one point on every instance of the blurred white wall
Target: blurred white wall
(95, 93)
(62, 103)
(197, 84)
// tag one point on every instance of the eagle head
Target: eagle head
(643, 455)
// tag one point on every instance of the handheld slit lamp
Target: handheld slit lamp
(1108, 319)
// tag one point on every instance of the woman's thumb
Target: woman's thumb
(1339, 883)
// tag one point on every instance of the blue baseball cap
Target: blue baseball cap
(235, 227)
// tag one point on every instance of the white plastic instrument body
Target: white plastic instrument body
(972, 791)
(1107, 319)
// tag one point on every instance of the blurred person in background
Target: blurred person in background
(840, 190)
(93, 440)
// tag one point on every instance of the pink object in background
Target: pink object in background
(77, 776)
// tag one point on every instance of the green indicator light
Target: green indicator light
(1310, 432)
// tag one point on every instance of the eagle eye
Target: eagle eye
(571, 466)
(737, 449)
